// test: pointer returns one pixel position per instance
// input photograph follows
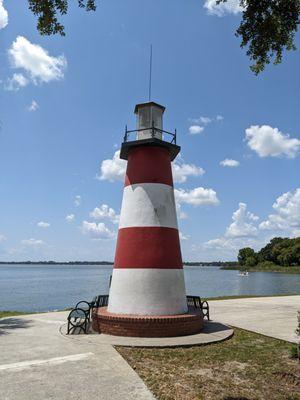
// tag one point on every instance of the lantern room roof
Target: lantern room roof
(150, 103)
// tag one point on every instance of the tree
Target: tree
(267, 29)
(47, 10)
(247, 256)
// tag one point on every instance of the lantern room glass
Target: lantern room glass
(147, 117)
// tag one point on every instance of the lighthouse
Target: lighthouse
(147, 294)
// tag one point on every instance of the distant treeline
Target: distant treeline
(191, 264)
(211, 264)
(59, 263)
(283, 252)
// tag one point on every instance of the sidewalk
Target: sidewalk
(38, 363)
(270, 316)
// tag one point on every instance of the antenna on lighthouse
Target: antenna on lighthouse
(150, 72)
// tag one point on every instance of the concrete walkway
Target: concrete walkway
(270, 316)
(38, 363)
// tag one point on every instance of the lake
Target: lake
(55, 287)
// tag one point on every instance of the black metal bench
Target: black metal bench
(195, 301)
(78, 321)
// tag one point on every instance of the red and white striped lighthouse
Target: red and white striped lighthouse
(148, 282)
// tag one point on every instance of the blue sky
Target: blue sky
(64, 103)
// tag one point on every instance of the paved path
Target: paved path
(38, 363)
(270, 316)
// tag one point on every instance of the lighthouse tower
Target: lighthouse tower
(147, 286)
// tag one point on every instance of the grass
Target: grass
(247, 296)
(4, 314)
(247, 367)
(279, 269)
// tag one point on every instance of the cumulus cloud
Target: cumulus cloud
(198, 196)
(77, 201)
(196, 129)
(43, 224)
(286, 213)
(36, 62)
(228, 162)
(96, 231)
(32, 242)
(33, 106)
(240, 233)
(113, 169)
(2, 238)
(267, 141)
(181, 171)
(70, 218)
(16, 82)
(105, 212)
(3, 15)
(243, 223)
(229, 7)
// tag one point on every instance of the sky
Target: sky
(64, 104)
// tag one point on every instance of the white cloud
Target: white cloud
(228, 162)
(3, 16)
(43, 224)
(16, 82)
(77, 201)
(96, 231)
(205, 120)
(33, 106)
(240, 233)
(181, 171)
(196, 129)
(287, 213)
(229, 7)
(105, 212)
(70, 218)
(36, 62)
(113, 169)
(182, 236)
(32, 242)
(198, 196)
(242, 225)
(267, 141)
(2, 238)
(219, 118)
(220, 244)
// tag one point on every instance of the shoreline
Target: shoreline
(13, 313)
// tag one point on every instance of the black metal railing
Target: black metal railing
(153, 130)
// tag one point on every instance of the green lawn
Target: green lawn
(247, 367)
(11, 313)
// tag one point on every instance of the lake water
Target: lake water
(44, 288)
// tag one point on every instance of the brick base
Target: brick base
(147, 326)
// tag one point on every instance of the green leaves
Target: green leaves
(47, 10)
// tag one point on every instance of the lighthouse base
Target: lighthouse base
(147, 326)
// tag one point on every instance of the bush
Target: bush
(295, 351)
(267, 265)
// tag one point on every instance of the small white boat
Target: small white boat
(243, 273)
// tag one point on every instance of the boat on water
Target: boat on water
(243, 273)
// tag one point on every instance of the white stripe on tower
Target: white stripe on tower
(148, 204)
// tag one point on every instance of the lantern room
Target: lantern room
(149, 120)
